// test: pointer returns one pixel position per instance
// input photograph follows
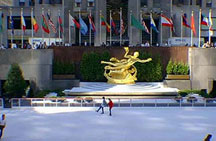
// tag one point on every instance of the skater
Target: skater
(110, 104)
(103, 104)
(2, 125)
(207, 137)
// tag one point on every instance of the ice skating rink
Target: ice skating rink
(126, 124)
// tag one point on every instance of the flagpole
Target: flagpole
(131, 27)
(2, 26)
(50, 19)
(90, 29)
(191, 32)
(42, 30)
(80, 40)
(171, 4)
(141, 22)
(11, 28)
(110, 28)
(181, 26)
(210, 26)
(161, 32)
(22, 25)
(32, 23)
(120, 26)
(100, 27)
(151, 29)
(199, 27)
(59, 29)
(69, 33)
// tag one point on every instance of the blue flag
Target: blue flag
(153, 26)
(83, 26)
(11, 24)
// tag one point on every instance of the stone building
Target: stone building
(140, 9)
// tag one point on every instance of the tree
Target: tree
(15, 84)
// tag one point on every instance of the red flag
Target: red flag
(193, 28)
(45, 25)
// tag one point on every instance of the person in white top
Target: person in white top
(2, 125)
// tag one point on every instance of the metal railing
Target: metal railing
(92, 102)
(1, 103)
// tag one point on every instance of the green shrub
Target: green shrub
(169, 68)
(43, 93)
(91, 67)
(183, 93)
(15, 84)
(63, 68)
(150, 71)
(177, 68)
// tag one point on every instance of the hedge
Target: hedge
(91, 67)
(63, 68)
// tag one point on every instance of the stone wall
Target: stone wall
(203, 67)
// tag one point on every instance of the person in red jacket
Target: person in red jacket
(110, 104)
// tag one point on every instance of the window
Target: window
(199, 2)
(144, 3)
(17, 22)
(156, 3)
(208, 3)
(77, 3)
(31, 2)
(40, 1)
(191, 2)
(21, 2)
(90, 3)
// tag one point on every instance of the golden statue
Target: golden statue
(122, 71)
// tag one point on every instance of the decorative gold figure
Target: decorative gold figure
(123, 71)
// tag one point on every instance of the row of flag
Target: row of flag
(45, 25)
(165, 21)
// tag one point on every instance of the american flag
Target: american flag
(51, 24)
(122, 30)
(146, 28)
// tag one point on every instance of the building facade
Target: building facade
(140, 9)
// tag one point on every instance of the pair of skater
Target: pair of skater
(2, 125)
(104, 104)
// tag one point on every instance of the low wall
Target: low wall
(203, 67)
(36, 66)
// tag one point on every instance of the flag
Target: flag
(152, 24)
(104, 23)
(83, 26)
(145, 27)
(166, 21)
(1, 23)
(51, 24)
(193, 28)
(60, 24)
(11, 24)
(113, 26)
(122, 31)
(92, 25)
(35, 25)
(45, 25)
(136, 23)
(23, 24)
(73, 22)
(210, 23)
(204, 20)
(184, 20)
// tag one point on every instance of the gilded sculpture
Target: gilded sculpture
(123, 71)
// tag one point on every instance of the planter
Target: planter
(178, 77)
(63, 76)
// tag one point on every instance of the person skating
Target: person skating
(103, 104)
(2, 125)
(110, 104)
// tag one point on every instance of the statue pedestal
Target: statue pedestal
(138, 90)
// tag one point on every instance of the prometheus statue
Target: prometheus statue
(122, 71)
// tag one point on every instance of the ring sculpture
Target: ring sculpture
(122, 71)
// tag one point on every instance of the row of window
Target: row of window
(32, 2)
(156, 3)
